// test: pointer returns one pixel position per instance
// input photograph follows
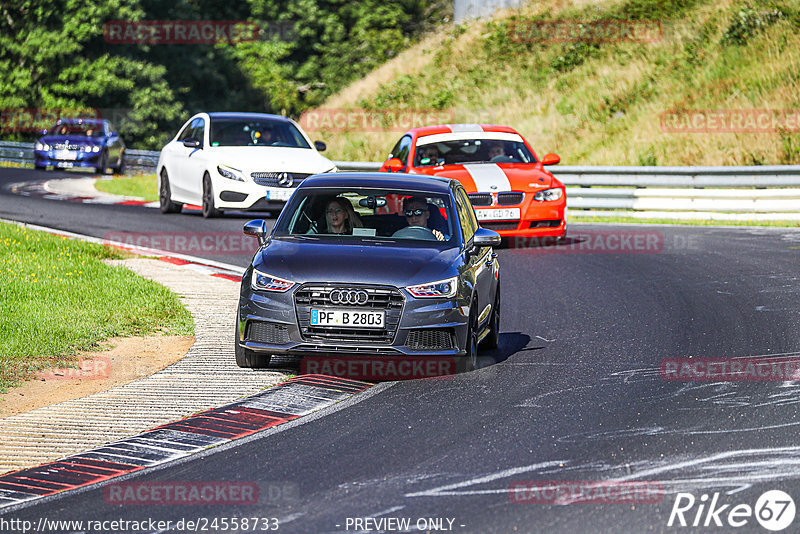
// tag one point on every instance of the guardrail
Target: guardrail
(22, 154)
(769, 192)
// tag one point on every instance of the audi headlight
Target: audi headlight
(333, 169)
(549, 194)
(441, 289)
(266, 282)
(230, 173)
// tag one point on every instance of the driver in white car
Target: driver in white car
(417, 214)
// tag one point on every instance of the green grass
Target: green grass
(687, 222)
(57, 297)
(600, 103)
(143, 186)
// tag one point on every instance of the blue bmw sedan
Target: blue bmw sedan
(370, 264)
(80, 143)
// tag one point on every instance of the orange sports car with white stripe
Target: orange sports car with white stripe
(510, 189)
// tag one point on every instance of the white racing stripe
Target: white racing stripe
(488, 177)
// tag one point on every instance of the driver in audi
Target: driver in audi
(417, 214)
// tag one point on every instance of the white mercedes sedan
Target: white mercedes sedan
(236, 161)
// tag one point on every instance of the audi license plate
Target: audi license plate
(350, 318)
(498, 214)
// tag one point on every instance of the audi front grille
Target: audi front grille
(384, 298)
(265, 332)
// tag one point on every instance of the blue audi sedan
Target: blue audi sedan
(367, 264)
(80, 143)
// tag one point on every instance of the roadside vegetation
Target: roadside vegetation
(63, 59)
(144, 186)
(58, 297)
(600, 103)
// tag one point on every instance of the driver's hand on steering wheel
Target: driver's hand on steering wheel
(439, 235)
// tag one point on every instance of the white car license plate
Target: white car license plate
(279, 194)
(351, 318)
(66, 154)
(498, 214)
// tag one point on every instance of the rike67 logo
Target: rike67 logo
(774, 510)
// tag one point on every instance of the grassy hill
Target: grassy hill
(602, 102)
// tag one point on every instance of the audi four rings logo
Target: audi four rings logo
(285, 179)
(349, 296)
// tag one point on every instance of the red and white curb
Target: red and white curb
(75, 190)
(280, 404)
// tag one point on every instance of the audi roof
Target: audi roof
(398, 181)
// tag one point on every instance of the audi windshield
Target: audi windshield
(368, 213)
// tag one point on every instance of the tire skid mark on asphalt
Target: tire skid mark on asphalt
(278, 405)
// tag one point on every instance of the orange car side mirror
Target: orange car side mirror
(551, 159)
(393, 165)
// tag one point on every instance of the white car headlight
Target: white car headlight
(230, 173)
(441, 289)
(332, 169)
(266, 282)
(548, 194)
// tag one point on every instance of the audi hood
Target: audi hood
(314, 259)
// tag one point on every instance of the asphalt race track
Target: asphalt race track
(574, 393)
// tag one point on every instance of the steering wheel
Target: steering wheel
(502, 159)
(415, 232)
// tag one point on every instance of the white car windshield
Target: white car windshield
(368, 213)
(255, 132)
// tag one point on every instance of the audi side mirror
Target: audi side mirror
(192, 142)
(320, 146)
(256, 228)
(485, 238)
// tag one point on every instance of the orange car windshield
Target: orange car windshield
(472, 151)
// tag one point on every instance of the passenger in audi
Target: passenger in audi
(340, 218)
(417, 213)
